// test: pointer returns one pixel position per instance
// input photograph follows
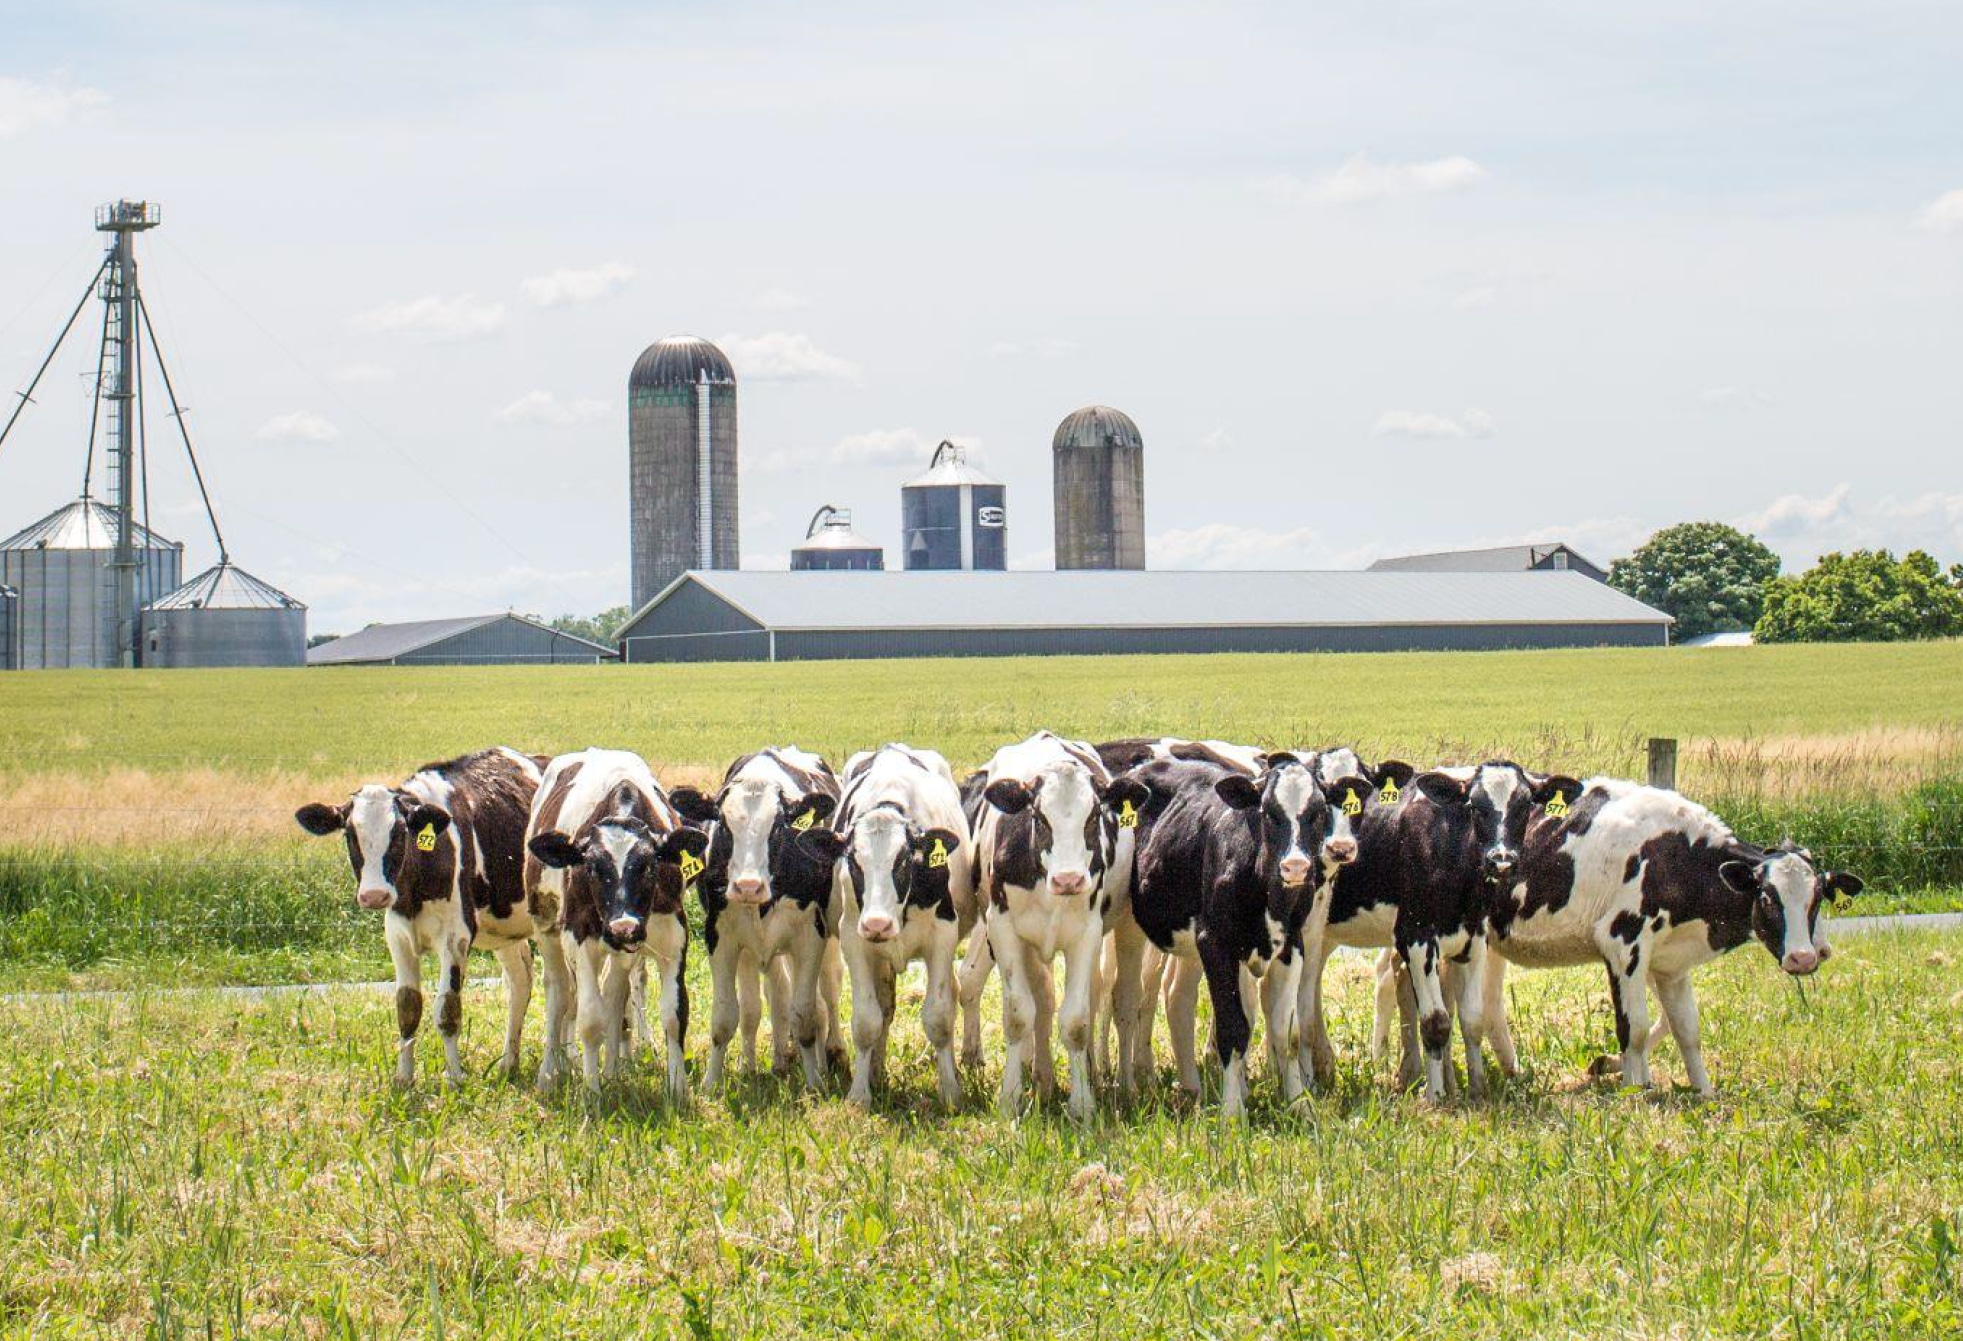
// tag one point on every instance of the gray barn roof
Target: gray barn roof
(386, 642)
(1498, 559)
(1114, 599)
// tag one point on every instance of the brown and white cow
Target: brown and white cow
(610, 855)
(441, 858)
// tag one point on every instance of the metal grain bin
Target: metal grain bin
(831, 545)
(681, 443)
(225, 617)
(61, 566)
(1099, 462)
(9, 608)
(954, 516)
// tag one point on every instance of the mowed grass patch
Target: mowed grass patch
(215, 1166)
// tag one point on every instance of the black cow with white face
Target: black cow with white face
(1652, 885)
(1228, 873)
(1429, 864)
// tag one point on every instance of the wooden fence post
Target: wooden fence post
(1663, 762)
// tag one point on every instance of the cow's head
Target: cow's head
(390, 835)
(1498, 800)
(1302, 822)
(1074, 819)
(886, 857)
(634, 872)
(754, 829)
(1787, 893)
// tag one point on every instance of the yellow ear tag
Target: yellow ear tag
(1390, 795)
(937, 855)
(1127, 815)
(426, 838)
(1558, 805)
(1352, 803)
(805, 820)
(691, 867)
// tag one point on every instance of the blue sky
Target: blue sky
(1371, 277)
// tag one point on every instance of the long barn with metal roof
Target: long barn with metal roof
(760, 616)
(474, 640)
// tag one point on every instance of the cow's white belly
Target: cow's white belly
(1047, 922)
(763, 935)
(1374, 926)
(1554, 939)
(1681, 948)
(436, 923)
(496, 933)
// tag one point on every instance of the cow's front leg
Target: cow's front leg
(779, 982)
(871, 991)
(831, 979)
(1630, 997)
(617, 975)
(1420, 957)
(1680, 1010)
(1012, 960)
(559, 998)
(1182, 1022)
(1080, 965)
(1278, 992)
(804, 963)
(516, 961)
(637, 1008)
(1469, 999)
(1128, 958)
(937, 1011)
(1493, 993)
(749, 983)
(1231, 1026)
(725, 963)
(401, 939)
(452, 952)
(975, 967)
(668, 939)
(1151, 981)
(589, 961)
(1314, 1058)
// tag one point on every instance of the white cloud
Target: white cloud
(1362, 180)
(297, 426)
(564, 287)
(778, 300)
(1220, 545)
(1794, 514)
(1476, 299)
(544, 408)
(27, 104)
(1216, 440)
(1425, 424)
(1944, 214)
(358, 374)
(1044, 347)
(780, 356)
(892, 447)
(1802, 527)
(1734, 398)
(445, 319)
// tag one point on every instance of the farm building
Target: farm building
(1546, 558)
(9, 602)
(759, 616)
(477, 640)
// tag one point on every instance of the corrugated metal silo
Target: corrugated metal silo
(1099, 461)
(62, 566)
(225, 617)
(954, 516)
(681, 434)
(831, 545)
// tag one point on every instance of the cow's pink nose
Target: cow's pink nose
(373, 898)
(1341, 850)
(1294, 870)
(747, 890)
(877, 927)
(1068, 882)
(624, 926)
(1800, 961)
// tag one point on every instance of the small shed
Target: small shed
(475, 640)
(1548, 557)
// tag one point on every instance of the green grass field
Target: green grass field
(197, 1165)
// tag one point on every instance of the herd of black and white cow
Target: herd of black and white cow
(1148, 865)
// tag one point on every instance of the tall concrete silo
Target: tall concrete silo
(69, 613)
(954, 516)
(225, 617)
(1099, 463)
(681, 437)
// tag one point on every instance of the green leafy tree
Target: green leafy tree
(1707, 575)
(1867, 596)
(597, 629)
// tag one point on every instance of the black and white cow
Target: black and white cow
(1053, 848)
(1227, 874)
(440, 857)
(1651, 885)
(1429, 860)
(610, 854)
(765, 901)
(904, 889)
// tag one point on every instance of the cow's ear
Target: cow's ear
(1557, 787)
(1350, 795)
(815, 808)
(692, 805)
(1742, 876)
(321, 820)
(1845, 884)
(556, 850)
(1122, 789)
(823, 845)
(423, 818)
(686, 841)
(1238, 792)
(1441, 788)
(1009, 795)
(1394, 771)
(935, 846)
(1276, 758)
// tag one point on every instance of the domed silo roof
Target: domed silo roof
(1097, 426)
(680, 360)
(83, 524)
(226, 586)
(225, 617)
(950, 466)
(66, 613)
(831, 543)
